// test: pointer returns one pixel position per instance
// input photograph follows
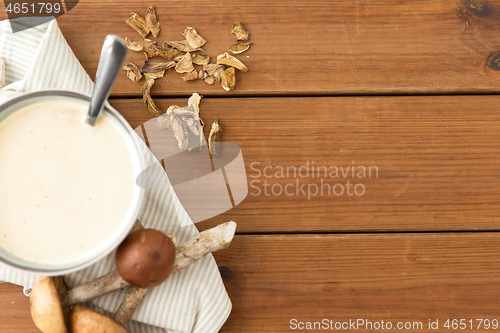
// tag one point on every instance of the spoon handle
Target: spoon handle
(113, 54)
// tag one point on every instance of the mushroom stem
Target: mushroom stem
(131, 301)
(98, 287)
(134, 295)
(211, 240)
(205, 242)
(62, 289)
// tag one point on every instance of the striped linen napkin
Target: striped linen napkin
(193, 300)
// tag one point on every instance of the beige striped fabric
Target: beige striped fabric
(193, 300)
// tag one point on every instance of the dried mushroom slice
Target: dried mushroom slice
(151, 50)
(202, 75)
(148, 100)
(230, 61)
(172, 53)
(200, 59)
(187, 128)
(194, 100)
(214, 138)
(172, 107)
(238, 48)
(163, 121)
(185, 65)
(154, 75)
(138, 46)
(138, 24)
(182, 46)
(190, 76)
(193, 39)
(239, 30)
(210, 79)
(228, 78)
(151, 66)
(151, 21)
(211, 69)
(218, 73)
(133, 73)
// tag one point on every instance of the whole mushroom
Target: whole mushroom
(45, 305)
(145, 258)
(85, 320)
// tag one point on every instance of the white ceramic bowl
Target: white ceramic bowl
(134, 146)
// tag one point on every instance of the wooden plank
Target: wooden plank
(437, 160)
(312, 47)
(390, 277)
(395, 278)
(15, 314)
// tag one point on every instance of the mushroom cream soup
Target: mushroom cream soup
(65, 186)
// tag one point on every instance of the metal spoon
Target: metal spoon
(113, 53)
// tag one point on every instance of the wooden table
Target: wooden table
(406, 89)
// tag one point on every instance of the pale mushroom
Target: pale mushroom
(84, 320)
(45, 306)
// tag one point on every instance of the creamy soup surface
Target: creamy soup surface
(65, 186)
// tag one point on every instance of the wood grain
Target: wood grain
(311, 47)
(396, 277)
(15, 314)
(437, 160)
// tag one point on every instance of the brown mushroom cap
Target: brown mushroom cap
(145, 258)
(84, 320)
(45, 306)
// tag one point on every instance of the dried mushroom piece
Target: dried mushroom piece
(194, 100)
(154, 75)
(151, 21)
(163, 121)
(138, 24)
(151, 50)
(228, 79)
(239, 30)
(194, 40)
(187, 127)
(218, 73)
(238, 48)
(172, 107)
(182, 46)
(185, 65)
(200, 59)
(210, 79)
(138, 46)
(133, 73)
(202, 75)
(213, 70)
(190, 76)
(214, 138)
(148, 100)
(151, 66)
(230, 61)
(172, 53)
(178, 58)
